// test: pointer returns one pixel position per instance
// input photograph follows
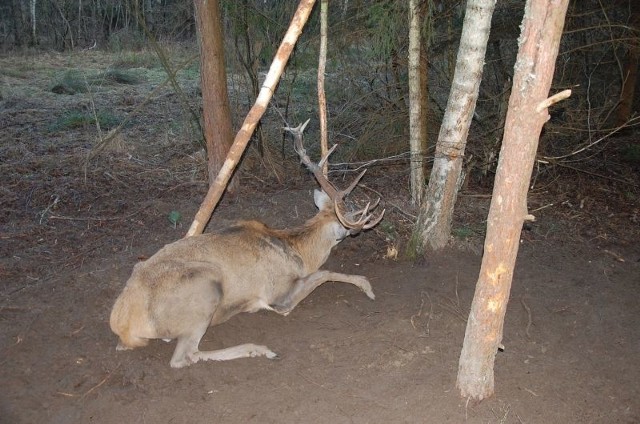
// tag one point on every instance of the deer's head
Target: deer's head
(352, 221)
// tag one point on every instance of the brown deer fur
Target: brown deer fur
(204, 280)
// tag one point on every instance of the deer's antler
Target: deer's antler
(365, 221)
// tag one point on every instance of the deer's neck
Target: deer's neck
(314, 240)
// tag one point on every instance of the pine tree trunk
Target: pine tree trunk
(434, 221)
(218, 131)
(539, 43)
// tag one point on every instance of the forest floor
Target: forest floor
(71, 231)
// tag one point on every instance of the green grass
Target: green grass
(131, 59)
(75, 81)
(13, 73)
(74, 120)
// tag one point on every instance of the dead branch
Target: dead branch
(564, 94)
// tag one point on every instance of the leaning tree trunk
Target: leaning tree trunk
(218, 131)
(539, 42)
(434, 221)
(253, 117)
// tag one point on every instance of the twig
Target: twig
(55, 201)
(104, 380)
(595, 174)
(615, 255)
(91, 218)
(541, 207)
(403, 212)
(553, 100)
(582, 149)
(419, 313)
(529, 320)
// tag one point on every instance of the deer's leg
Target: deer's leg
(187, 347)
(248, 350)
(187, 353)
(304, 286)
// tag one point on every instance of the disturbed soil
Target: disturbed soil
(71, 230)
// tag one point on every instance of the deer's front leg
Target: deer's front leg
(304, 286)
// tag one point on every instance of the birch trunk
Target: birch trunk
(434, 220)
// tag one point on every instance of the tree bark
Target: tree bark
(34, 38)
(322, 99)
(539, 42)
(218, 130)
(434, 220)
(630, 73)
(416, 114)
(253, 117)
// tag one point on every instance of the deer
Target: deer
(204, 280)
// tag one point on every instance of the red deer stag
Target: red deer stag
(204, 280)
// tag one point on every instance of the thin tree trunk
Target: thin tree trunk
(322, 100)
(416, 114)
(218, 130)
(433, 228)
(539, 42)
(630, 70)
(34, 39)
(253, 117)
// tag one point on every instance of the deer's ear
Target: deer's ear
(322, 200)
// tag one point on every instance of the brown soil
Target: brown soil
(69, 241)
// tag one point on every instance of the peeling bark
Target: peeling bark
(539, 42)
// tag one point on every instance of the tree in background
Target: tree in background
(630, 72)
(417, 103)
(218, 129)
(539, 43)
(433, 227)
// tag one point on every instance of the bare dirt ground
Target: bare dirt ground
(70, 235)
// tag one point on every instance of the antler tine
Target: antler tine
(375, 222)
(326, 157)
(326, 185)
(364, 222)
(353, 184)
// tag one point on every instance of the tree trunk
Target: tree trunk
(34, 39)
(218, 131)
(630, 74)
(434, 221)
(416, 114)
(539, 42)
(252, 118)
(322, 99)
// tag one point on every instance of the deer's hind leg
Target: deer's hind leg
(304, 286)
(190, 313)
